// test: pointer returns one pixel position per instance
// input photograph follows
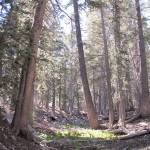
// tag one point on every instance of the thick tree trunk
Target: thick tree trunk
(16, 120)
(22, 118)
(145, 99)
(119, 64)
(108, 73)
(136, 71)
(94, 123)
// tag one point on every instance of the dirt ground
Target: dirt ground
(47, 123)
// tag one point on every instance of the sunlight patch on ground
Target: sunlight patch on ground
(74, 132)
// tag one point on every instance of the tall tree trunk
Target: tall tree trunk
(136, 71)
(64, 105)
(47, 100)
(94, 96)
(78, 99)
(145, 100)
(22, 118)
(71, 91)
(108, 73)
(53, 101)
(99, 101)
(94, 123)
(60, 93)
(119, 63)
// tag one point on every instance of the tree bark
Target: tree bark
(64, 105)
(60, 93)
(107, 67)
(94, 123)
(145, 100)
(119, 63)
(53, 101)
(94, 96)
(22, 114)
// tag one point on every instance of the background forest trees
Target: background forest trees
(115, 38)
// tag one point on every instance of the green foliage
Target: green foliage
(59, 134)
(43, 136)
(76, 131)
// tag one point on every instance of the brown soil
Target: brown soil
(47, 123)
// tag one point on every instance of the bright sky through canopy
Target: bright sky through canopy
(66, 25)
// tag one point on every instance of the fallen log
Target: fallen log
(134, 135)
(134, 118)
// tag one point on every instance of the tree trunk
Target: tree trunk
(77, 96)
(22, 118)
(94, 97)
(53, 101)
(60, 94)
(71, 91)
(136, 71)
(94, 123)
(108, 73)
(119, 63)
(64, 105)
(99, 101)
(145, 100)
(47, 100)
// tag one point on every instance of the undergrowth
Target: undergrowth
(74, 132)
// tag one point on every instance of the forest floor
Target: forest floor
(71, 132)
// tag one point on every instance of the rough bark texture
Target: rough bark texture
(22, 114)
(119, 63)
(145, 100)
(108, 73)
(136, 71)
(94, 123)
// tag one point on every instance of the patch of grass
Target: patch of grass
(43, 136)
(59, 134)
(76, 132)
(84, 133)
(96, 134)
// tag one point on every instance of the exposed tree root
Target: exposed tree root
(134, 135)
(120, 131)
(24, 131)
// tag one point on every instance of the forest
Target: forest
(74, 75)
